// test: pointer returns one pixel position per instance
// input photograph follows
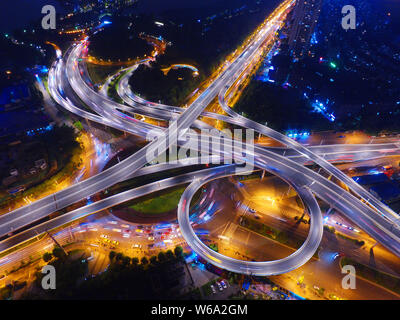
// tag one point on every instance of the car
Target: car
(224, 284)
(252, 210)
(219, 286)
(213, 289)
(150, 238)
(337, 255)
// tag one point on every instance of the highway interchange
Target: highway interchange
(69, 85)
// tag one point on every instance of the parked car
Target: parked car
(213, 289)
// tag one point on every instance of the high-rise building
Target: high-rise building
(305, 18)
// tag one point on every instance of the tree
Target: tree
(119, 256)
(126, 260)
(58, 252)
(144, 261)
(169, 254)
(47, 256)
(153, 260)
(178, 251)
(135, 261)
(112, 255)
(162, 257)
(78, 125)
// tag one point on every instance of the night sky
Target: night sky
(15, 14)
(18, 13)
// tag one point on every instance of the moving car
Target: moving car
(223, 283)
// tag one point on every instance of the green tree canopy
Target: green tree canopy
(126, 260)
(112, 255)
(153, 259)
(58, 252)
(178, 251)
(169, 254)
(119, 256)
(47, 256)
(135, 261)
(162, 257)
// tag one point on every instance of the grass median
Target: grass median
(383, 279)
(163, 203)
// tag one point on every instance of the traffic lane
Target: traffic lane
(260, 268)
(101, 205)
